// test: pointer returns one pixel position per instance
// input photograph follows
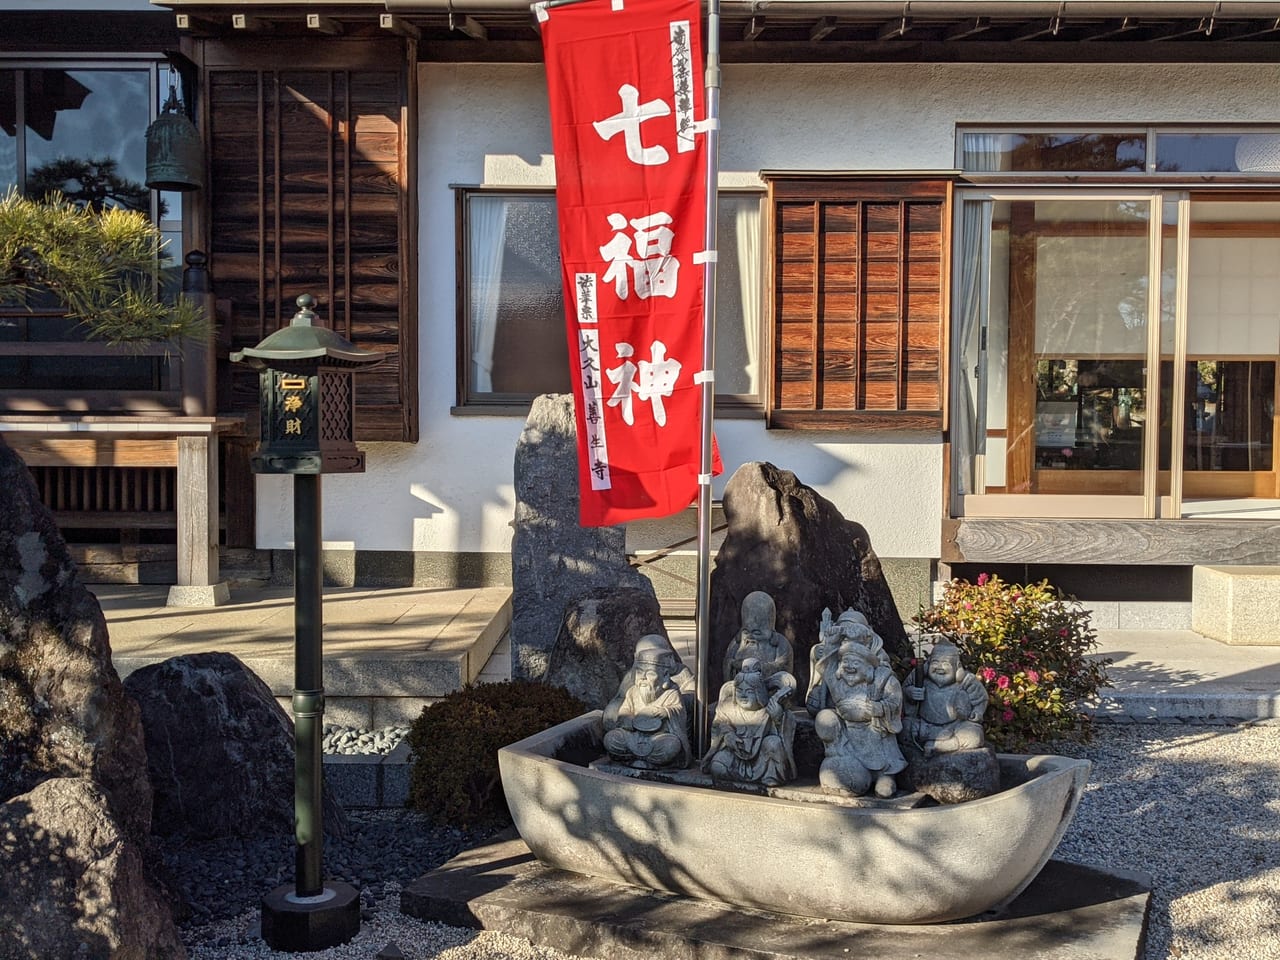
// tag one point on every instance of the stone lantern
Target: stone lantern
(307, 401)
(307, 418)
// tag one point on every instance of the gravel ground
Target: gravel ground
(1196, 807)
(354, 740)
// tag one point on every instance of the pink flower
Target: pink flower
(1033, 677)
(968, 605)
(1007, 715)
(987, 674)
(1062, 632)
(982, 579)
(1003, 682)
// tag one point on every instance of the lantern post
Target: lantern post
(307, 423)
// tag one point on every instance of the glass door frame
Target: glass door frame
(1081, 506)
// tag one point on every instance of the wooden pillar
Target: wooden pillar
(198, 584)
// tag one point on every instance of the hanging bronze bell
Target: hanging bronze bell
(175, 154)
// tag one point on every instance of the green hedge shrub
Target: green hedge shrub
(1029, 645)
(455, 746)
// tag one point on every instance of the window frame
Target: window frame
(470, 403)
(1162, 495)
(165, 392)
(155, 64)
(1101, 178)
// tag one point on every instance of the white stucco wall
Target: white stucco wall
(487, 124)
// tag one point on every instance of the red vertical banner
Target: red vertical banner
(624, 78)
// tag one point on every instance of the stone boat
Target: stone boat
(868, 864)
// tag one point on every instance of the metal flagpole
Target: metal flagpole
(702, 624)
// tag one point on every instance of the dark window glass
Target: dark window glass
(86, 135)
(1218, 153)
(1229, 415)
(83, 134)
(1054, 152)
(8, 130)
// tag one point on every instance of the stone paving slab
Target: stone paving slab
(1180, 674)
(1070, 912)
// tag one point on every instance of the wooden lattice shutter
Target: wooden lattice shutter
(312, 192)
(859, 292)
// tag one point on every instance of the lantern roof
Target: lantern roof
(302, 340)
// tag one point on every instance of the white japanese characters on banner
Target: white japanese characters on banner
(631, 195)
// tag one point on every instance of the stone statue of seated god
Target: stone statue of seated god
(758, 639)
(858, 713)
(647, 724)
(943, 715)
(753, 732)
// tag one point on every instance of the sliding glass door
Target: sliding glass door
(1056, 327)
(1227, 274)
(1065, 346)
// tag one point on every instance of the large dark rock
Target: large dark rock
(63, 711)
(787, 540)
(597, 642)
(554, 559)
(219, 750)
(75, 883)
(64, 714)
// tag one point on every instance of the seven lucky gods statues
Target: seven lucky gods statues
(862, 714)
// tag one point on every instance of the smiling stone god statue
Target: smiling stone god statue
(647, 724)
(857, 706)
(948, 757)
(943, 715)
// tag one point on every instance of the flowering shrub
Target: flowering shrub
(1029, 646)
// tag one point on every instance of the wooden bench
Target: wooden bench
(189, 444)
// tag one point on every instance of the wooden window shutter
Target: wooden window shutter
(859, 299)
(312, 191)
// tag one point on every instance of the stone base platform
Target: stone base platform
(1236, 604)
(1069, 912)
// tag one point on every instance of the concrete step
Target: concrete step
(387, 652)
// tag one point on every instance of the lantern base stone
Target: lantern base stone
(209, 595)
(307, 924)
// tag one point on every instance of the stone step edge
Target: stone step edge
(1226, 705)
(369, 780)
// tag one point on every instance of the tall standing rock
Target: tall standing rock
(555, 560)
(789, 541)
(64, 714)
(597, 642)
